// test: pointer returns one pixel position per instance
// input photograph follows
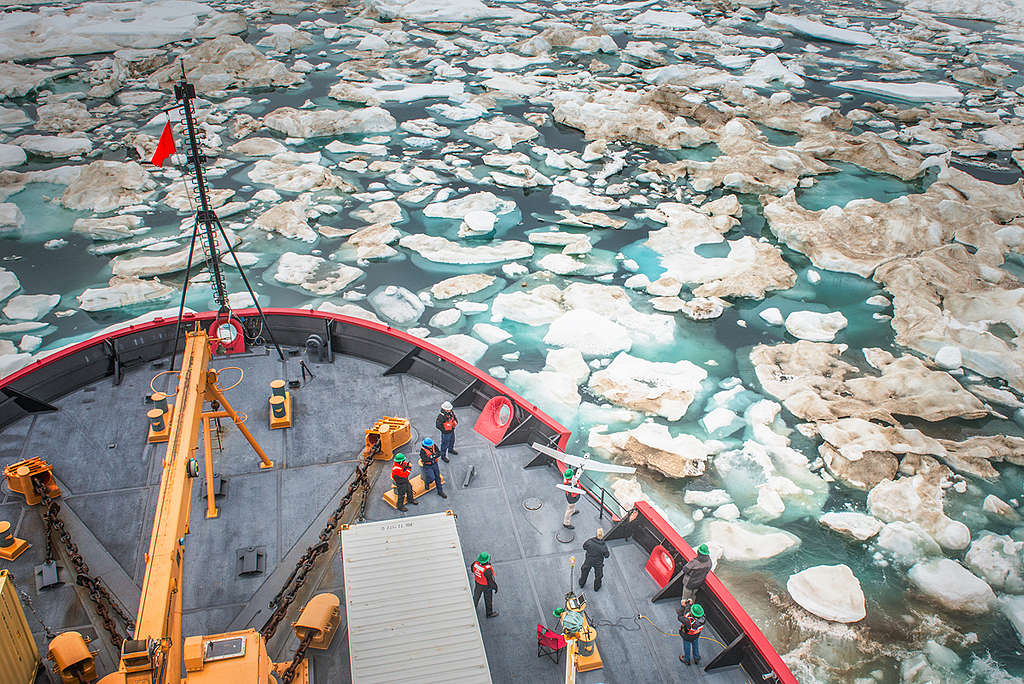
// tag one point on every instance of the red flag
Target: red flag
(165, 147)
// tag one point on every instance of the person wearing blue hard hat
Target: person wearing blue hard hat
(429, 456)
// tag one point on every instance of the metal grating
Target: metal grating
(409, 605)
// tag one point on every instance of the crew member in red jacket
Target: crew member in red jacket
(483, 583)
(400, 470)
(446, 422)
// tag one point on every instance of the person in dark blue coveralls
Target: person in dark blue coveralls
(429, 456)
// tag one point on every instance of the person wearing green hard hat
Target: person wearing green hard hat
(484, 584)
(691, 622)
(694, 574)
(400, 470)
(569, 480)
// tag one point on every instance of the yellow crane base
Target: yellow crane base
(389, 433)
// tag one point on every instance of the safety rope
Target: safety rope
(300, 573)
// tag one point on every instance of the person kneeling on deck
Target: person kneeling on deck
(400, 476)
(446, 422)
(429, 455)
(694, 574)
(571, 499)
(596, 551)
(483, 576)
(691, 622)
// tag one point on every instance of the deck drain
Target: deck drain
(565, 535)
(532, 504)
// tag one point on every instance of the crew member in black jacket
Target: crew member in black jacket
(596, 551)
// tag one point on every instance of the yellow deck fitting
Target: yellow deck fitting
(21, 478)
(71, 655)
(418, 490)
(159, 424)
(10, 546)
(301, 673)
(390, 433)
(280, 406)
(321, 616)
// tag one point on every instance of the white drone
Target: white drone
(579, 464)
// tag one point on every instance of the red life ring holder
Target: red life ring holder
(226, 333)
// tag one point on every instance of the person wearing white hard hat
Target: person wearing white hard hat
(446, 422)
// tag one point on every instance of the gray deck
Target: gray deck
(110, 477)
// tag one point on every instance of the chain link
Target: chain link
(300, 654)
(98, 593)
(300, 573)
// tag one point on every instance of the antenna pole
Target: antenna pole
(185, 92)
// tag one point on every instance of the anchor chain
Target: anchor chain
(300, 654)
(98, 593)
(300, 573)
(27, 600)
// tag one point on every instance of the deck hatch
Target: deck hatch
(406, 578)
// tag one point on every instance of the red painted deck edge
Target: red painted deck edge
(728, 601)
(547, 420)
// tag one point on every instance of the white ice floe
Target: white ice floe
(579, 196)
(353, 310)
(556, 393)
(568, 361)
(30, 307)
(447, 10)
(670, 20)
(745, 542)
(11, 218)
(124, 292)
(997, 559)
(464, 206)
(911, 92)
(491, 334)
(11, 156)
(831, 592)
(651, 445)
(917, 499)
(816, 29)
(312, 123)
(907, 543)
(92, 27)
(659, 387)
(461, 285)
(711, 498)
(859, 526)
(441, 250)
(314, 274)
(589, 332)
(814, 326)
(953, 586)
(9, 284)
(396, 304)
(465, 347)
(772, 315)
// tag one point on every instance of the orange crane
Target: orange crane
(158, 650)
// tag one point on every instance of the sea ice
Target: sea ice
(441, 250)
(653, 446)
(953, 586)
(124, 292)
(916, 499)
(461, 285)
(568, 361)
(659, 387)
(11, 156)
(314, 274)
(859, 526)
(397, 304)
(816, 29)
(997, 559)
(912, 92)
(465, 347)
(9, 284)
(831, 592)
(304, 123)
(814, 326)
(107, 185)
(747, 542)
(463, 206)
(29, 307)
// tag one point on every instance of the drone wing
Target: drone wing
(586, 463)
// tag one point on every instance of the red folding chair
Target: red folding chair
(549, 643)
